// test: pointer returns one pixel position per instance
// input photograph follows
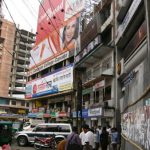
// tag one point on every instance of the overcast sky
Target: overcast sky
(24, 12)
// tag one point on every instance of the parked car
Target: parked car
(60, 130)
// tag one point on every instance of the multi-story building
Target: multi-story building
(20, 63)
(133, 71)
(50, 87)
(95, 66)
(15, 46)
(13, 108)
(7, 36)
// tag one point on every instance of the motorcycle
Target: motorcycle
(42, 143)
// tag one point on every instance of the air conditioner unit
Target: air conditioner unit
(108, 103)
(120, 68)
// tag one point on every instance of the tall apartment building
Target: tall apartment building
(22, 45)
(7, 36)
(15, 46)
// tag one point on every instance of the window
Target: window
(27, 104)
(41, 128)
(64, 128)
(86, 98)
(71, 60)
(13, 102)
(52, 128)
(45, 71)
(59, 65)
(22, 103)
(107, 94)
(107, 63)
(96, 96)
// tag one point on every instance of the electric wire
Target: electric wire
(21, 37)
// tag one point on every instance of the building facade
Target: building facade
(15, 46)
(22, 45)
(95, 64)
(133, 70)
(7, 36)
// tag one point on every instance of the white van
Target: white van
(60, 130)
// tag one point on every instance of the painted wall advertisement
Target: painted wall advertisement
(57, 30)
(136, 124)
(55, 82)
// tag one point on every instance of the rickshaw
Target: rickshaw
(5, 132)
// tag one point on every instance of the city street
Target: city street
(14, 146)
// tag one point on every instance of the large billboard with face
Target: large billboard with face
(57, 29)
(58, 81)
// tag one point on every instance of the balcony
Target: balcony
(19, 83)
(93, 56)
(24, 51)
(17, 90)
(131, 16)
(123, 8)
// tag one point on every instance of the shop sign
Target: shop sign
(32, 115)
(39, 115)
(46, 115)
(95, 112)
(86, 91)
(74, 114)
(108, 113)
(99, 85)
(53, 114)
(35, 110)
(49, 63)
(41, 109)
(85, 113)
(55, 82)
(127, 80)
(88, 49)
(128, 17)
(21, 111)
(62, 114)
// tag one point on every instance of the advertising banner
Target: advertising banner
(55, 82)
(57, 30)
(48, 63)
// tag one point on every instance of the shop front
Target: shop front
(95, 115)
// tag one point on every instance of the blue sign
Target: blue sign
(84, 113)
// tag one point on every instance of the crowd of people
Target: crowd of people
(96, 138)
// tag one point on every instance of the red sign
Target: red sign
(46, 115)
(62, 114)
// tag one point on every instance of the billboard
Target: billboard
(58, 29)
(55, 82)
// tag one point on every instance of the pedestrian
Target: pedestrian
(82, 137)
(89, 138)
(114, 138)
(104, 139)
(73, 141)
(96, 137)
(61, 145)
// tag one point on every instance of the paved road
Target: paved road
(14, 146)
